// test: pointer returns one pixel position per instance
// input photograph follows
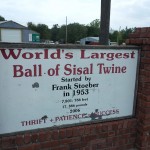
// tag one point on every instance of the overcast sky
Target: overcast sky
(130, 13)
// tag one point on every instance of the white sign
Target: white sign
(51, 87)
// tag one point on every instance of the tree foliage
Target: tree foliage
(121, 36)
(2, 18)
(76, 31)
(93, 28)
(55, 32)
(40, 28)
(32, 26)
(95, 23)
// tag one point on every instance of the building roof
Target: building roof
(11, 24)
(88, 40)
(91, 39)
(1, 22)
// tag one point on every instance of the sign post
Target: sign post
(104, 22)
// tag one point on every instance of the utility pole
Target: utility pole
(104, 22)
(118, 35)
(66, 31)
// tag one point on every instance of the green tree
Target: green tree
(120, 36)
(55, 32)
(93, 28)
(95, 23)
(125, 32)
(2, 18)
(40, 28)
(62, 34)
(113, 36)
(44, 31)
(76, 31)
(32, 26)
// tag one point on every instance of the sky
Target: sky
(124, 13)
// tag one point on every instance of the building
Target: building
(90, 41)
(11, 31)
(94, 41)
